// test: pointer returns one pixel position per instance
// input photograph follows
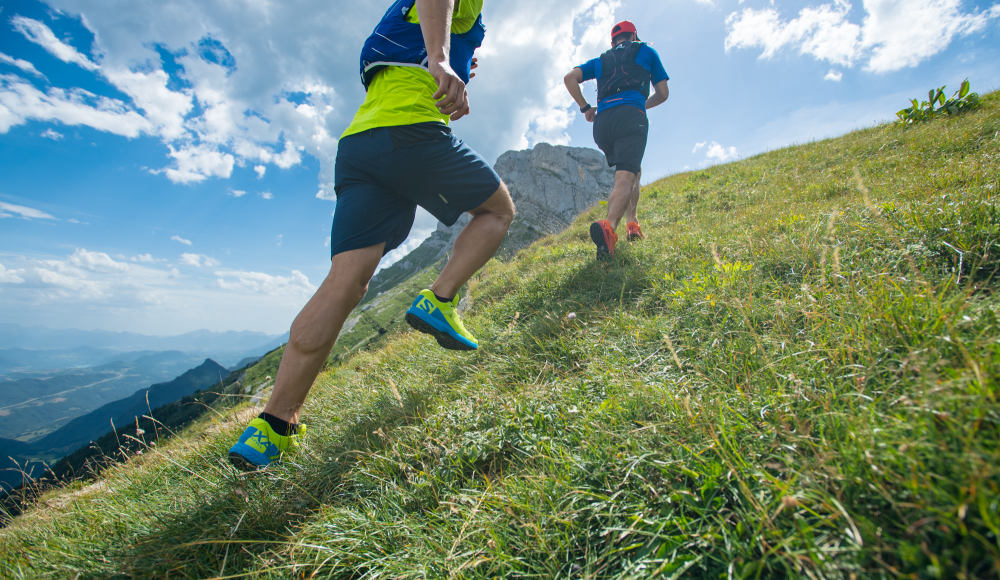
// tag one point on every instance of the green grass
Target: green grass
(794, 376)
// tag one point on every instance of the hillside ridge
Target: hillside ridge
(794, 375)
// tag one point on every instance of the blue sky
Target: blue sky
(167, 166)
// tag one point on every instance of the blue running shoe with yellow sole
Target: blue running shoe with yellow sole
(439, 319)
(259, 446)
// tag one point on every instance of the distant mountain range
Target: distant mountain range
(42, 338)
(31, 456)
(35, 404)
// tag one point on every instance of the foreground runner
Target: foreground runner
(623, 78)
(397, 153)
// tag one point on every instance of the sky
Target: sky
(167, 165)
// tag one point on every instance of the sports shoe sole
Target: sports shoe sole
(443, 338)
(597, 234)
(242, 463)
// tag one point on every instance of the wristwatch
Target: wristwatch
(585, 108)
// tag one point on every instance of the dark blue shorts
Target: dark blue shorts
(621, 132)
(383, 174)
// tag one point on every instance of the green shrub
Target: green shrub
(960, 102)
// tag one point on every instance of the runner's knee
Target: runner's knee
(499, 204)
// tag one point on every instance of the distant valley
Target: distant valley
(60, 389)
(33, 406)
(33, 456)
(40, 338)
(48, 377)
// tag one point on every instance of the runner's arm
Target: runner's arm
(572, 80)
(435, 24)
(660, 94)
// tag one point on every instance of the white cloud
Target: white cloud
(20, 101)
(42, 35)
(261, 95)
(823, 32)
(894, 34)
(554, 37)
(280, 236)
(21, 64)
(163, 108)
(266, 195)
(326, 194)
(10, 276)
(75, 283)
(50, 134)
(237, 192)
(231, 125)
(715, 152)
(260, 283)
(85, 281)
(260, 169)
(196, 163)
(902, 34)
(146, 258)
(834, 75)
(96, 261)
(198, 260)
(181, 240)
(8, 210)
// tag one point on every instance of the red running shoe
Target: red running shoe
(633, 231)
(604, 237)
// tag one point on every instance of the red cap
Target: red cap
(623, 26)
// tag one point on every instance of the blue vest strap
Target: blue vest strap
(398, 42)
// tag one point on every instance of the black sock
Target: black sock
(445, 300)
(283, 428)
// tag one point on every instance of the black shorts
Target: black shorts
(382, 175)
(621, 134)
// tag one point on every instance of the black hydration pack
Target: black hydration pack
(619, 72)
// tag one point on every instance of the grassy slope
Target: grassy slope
(794, 375)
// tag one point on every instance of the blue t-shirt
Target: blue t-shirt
(647, 59)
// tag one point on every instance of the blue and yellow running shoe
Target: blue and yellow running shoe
(439, 319)
(259, 445)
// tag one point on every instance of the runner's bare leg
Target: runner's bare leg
(633, 201)
(618, 201)
(477, 242)
(317, 326)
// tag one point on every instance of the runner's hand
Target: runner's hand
(450, 96)
(463, 111)
(475, 65)
(591, 114)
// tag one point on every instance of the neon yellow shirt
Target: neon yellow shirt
(401, 95)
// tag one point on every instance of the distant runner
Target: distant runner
(624, 75)
(397, 153)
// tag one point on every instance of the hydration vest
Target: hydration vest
(619, 72)
(396, 42)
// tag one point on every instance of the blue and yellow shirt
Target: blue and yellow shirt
(647, 58)
(402, 95)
